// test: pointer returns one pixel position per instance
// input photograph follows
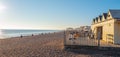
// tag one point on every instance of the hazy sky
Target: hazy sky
(51, 14)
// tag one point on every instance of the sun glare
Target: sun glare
(2, 8)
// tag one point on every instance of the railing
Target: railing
(87, 41)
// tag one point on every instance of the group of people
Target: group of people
(74, 35)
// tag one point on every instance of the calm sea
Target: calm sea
(7, 33)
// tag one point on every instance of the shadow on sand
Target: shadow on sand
(93, 52)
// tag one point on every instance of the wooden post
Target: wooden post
(64, 32)
(64, 38)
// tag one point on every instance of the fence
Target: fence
(86, 41)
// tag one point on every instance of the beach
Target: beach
(43, 45)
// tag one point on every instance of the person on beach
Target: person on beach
(76, 35)
(32, 35)
(70, 36)
(41, 33)
(21, 36)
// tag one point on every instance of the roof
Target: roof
(96, 19)
(100, 17)
(105, 15)
(115, 13)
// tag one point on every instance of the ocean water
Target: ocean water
(8, 33)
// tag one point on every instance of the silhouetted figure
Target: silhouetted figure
(21, 36)
(32, 35)
(41, 33)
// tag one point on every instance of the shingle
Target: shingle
(100, 17)
(115, 14)
(93, 20)
(105, 15)
(97, 19)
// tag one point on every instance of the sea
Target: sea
(9, 33)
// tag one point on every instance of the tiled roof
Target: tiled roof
(100, 17)
(105, 15)
(115, 13)
(93, 20)
(96, 19)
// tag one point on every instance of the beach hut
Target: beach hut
(104, 16)
(108, 29)
(100, 18)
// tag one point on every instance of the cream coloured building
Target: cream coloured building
(107, 27)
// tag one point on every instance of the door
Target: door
(99, 32)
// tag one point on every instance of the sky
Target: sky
(52, 14)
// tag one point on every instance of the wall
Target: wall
(108, 28)
(117, 32)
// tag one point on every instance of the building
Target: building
(85, 28)
(69, 29)
(107, 27)
(84, 31)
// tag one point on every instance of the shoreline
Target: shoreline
(10, 33)
(28, 35)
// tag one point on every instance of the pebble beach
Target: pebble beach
(43, 45)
